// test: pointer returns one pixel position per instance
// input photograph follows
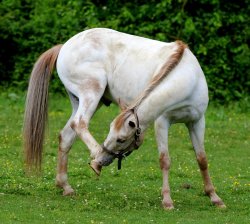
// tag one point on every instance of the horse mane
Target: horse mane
(121, 119)
(169, 65)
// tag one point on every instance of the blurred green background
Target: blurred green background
(217, 31)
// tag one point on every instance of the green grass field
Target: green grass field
(131, 195)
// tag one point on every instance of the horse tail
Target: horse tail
(36, 110)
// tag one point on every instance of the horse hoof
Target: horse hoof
(68, 192)
(96, 167)
(220, 205)
(168, 206)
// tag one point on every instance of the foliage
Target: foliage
(131, 195)
(217, 31)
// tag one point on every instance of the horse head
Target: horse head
(124, 137)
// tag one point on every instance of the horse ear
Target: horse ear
(123, 106)
(131, 124)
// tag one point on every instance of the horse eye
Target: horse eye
(119, 140)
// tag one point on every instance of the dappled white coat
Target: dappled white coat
(119, 66)
(124, 64)
(102, 65)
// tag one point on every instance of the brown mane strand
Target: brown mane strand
(169, 65)
(119, 121)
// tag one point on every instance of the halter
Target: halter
(138, 129)
(123, 154)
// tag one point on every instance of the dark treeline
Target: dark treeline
(217, 31)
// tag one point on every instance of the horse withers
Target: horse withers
(162, 83)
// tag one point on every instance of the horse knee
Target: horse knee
(79, 126)
(202, 161)
(164, 161)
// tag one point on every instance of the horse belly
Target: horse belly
(184, 114)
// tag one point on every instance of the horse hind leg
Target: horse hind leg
(66, 139)
(83, 109)
(196, 132)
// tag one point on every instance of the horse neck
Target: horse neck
(151, 103)
(151, 108)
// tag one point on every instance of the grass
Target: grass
(131, 195)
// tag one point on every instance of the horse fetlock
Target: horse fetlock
(62, 183)
(167, 201)
(61, 180)
(209, 190)
(94, 153)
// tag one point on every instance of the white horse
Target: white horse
(103, 66)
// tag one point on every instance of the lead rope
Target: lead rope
(121, 157)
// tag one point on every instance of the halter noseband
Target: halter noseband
(123, 154)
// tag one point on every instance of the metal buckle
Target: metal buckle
(138, 132)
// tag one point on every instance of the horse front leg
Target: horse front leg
(161, 130)
(196, 132)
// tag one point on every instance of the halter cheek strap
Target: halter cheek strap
(123, 155)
